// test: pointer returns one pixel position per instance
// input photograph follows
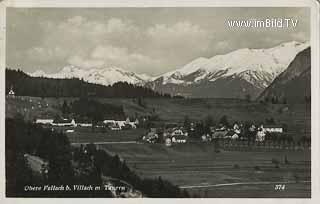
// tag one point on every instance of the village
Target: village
(168, 133)
(172, 134)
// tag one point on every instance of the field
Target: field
(200, 170)
(108, 136)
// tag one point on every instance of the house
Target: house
(83, 123)
(273, 128)
(261, 134)
(212, 129)
(232, 135)
(236, 128)
(252, 128)
(44, 121)
(179, 139)
(136, 122)
(130, 124)
(115, 126)
(64, 122)
(168, 142)
(221, 128)
(218, 134)
(11, 93)
(206, 138)
(109, 122)
(178, 132)
(120, 123)
(151, 137)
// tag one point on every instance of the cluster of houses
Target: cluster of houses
(111, 124)
(235, 132)
(169, 136)
(178, 134)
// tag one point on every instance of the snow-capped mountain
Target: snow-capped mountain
(104, 76)
(255, 69)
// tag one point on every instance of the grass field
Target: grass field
(107, 136)
(194, 165)
(296, 116)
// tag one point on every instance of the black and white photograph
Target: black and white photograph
(158, 102)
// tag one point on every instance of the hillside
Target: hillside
(25, 85)
(294, 84)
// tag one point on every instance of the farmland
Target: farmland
(202, 171)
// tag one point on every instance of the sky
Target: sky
(152, 41)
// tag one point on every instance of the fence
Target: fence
(261, 146)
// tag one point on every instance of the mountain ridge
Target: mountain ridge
(255, 69)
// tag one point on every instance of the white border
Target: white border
(315, 73)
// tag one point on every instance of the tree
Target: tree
(208, 122)
(65, 108)
(248, 97)
(224, 120)
(187, 124)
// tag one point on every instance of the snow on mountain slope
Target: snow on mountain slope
(257, 66)
(104, 76)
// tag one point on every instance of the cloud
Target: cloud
(136, 39)
(180, 36)
(106, 55)
(44, 54)
(300, 36)
(118, 42)
(85, 63)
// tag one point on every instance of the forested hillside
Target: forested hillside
(25, 85)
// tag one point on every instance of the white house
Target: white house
(179, 139)
(273, 128)
(84, 124)
(178, 132)
(11, 93)
(115, 126)
(261, 134)
(236, 128)
(168, 142)
(44, 121)
(108, 122)
(64, 122)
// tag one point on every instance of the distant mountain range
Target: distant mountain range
(293, 84)
(105, 76)
(233, 75)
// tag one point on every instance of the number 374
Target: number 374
(280, 187)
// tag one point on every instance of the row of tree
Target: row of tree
(92, 109)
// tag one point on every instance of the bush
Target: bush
(236, 166)
(275, 162)
(257, 168)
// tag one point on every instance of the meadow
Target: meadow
(202, 171)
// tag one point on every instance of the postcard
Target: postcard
(159, 100)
